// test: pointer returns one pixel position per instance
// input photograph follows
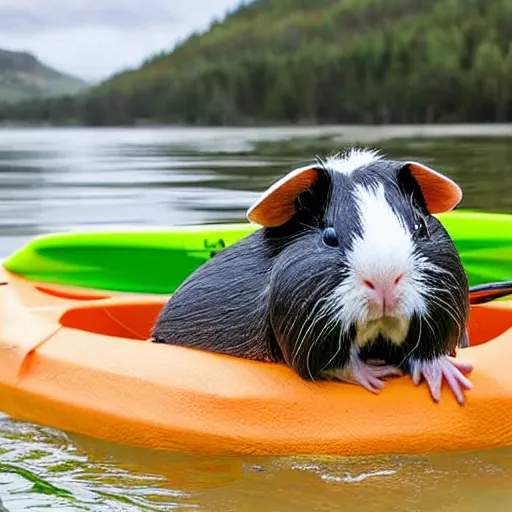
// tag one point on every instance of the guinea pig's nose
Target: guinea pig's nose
(376, 284)
(383, 291)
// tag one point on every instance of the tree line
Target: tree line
(331, 61)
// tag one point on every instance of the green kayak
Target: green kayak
(158, 260)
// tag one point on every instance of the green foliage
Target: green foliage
(327, 61)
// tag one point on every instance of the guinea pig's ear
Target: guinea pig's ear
(277, 204)
(440, 192)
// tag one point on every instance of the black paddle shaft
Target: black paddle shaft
(489, 291)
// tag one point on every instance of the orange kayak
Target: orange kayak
(78, 359)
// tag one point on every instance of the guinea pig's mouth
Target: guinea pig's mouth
(386, 321)
(393, 328)
(381, 311)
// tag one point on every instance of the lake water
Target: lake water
(81, 179)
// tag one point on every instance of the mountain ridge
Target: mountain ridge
(24, 77)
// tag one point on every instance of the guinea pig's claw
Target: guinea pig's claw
(366, 375)
(433, 372)
(369, 376)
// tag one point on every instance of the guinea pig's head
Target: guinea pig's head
(357, 250)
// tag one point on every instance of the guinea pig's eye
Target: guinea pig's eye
(421, 228)
(329, 237)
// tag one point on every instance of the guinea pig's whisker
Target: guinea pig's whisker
(306, 226)
(338, 350)
(427, 319)
(411, 201)
(450, 285)
(415, 346)
(450, 293)
(320, 161)
(330, 306)
(329, 325)
(449, 310)
(306, 320)
(295, 305)
(322, 314)
(428, 265)
(301, 338)
(325, 314)
(450, 296)
(299, 295)
(434, 329)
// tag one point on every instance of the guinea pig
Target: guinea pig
(350, 277)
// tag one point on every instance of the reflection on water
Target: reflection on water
(46, 468)
(63, 179)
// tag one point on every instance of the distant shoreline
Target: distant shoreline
(389, 130)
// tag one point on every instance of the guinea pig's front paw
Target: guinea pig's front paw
(433, 372)
(366, 375)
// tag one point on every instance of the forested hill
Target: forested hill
(317, 61)
(23, 76)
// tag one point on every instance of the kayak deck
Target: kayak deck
(79, 360)
(159, 260)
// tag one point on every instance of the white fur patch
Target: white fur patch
(385, 250)
(349, 161)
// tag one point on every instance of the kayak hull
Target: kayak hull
(79, 360)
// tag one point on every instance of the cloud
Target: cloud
(96, 38)
(24, 16)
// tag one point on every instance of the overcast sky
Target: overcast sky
(94, 38)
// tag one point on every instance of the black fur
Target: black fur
(261, 297)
